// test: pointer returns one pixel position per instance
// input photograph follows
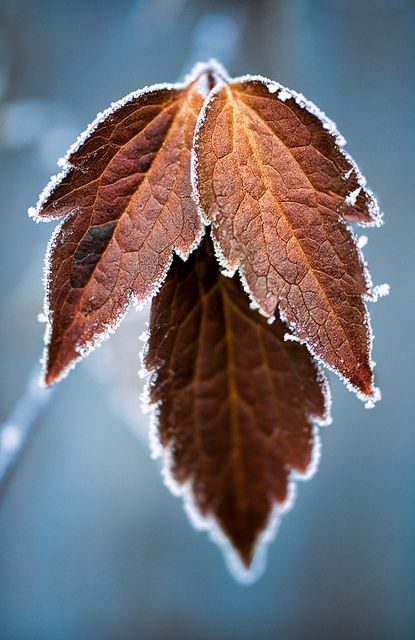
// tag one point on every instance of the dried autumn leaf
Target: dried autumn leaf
(236, 404)
(275, 184)
(125, 196)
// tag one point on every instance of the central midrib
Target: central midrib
(286, 219)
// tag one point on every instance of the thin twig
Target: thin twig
(16, 430)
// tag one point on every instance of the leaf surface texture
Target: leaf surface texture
(236, 403)
(128, 206)
(274, 182)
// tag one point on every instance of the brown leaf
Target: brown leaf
(277, 188)
(126, 196)
(236, 403)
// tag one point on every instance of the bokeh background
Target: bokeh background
(92, 544)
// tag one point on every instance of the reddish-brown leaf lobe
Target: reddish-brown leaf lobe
(128, 190)
(275, 185)
(235, 402)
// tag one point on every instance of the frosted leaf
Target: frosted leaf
(192, 407)
(249, 112)
(124, 197)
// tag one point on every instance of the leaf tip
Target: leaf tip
(365, 388)
(49, 378)
(246, 554)
(242, 551)
(51, 372)
(370, 400)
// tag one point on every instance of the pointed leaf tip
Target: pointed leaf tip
(236, 403)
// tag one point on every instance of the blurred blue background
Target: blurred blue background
(92, 545)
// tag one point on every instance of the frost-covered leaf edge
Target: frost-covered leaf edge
(374, 292)
(198, 71)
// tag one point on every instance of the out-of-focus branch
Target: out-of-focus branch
(16, 430)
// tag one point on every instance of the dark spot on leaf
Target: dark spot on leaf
(89, 251)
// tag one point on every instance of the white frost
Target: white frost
(283, 94)
(352, 197)
(380, 291)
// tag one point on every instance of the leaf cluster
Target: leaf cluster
(168, 195)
